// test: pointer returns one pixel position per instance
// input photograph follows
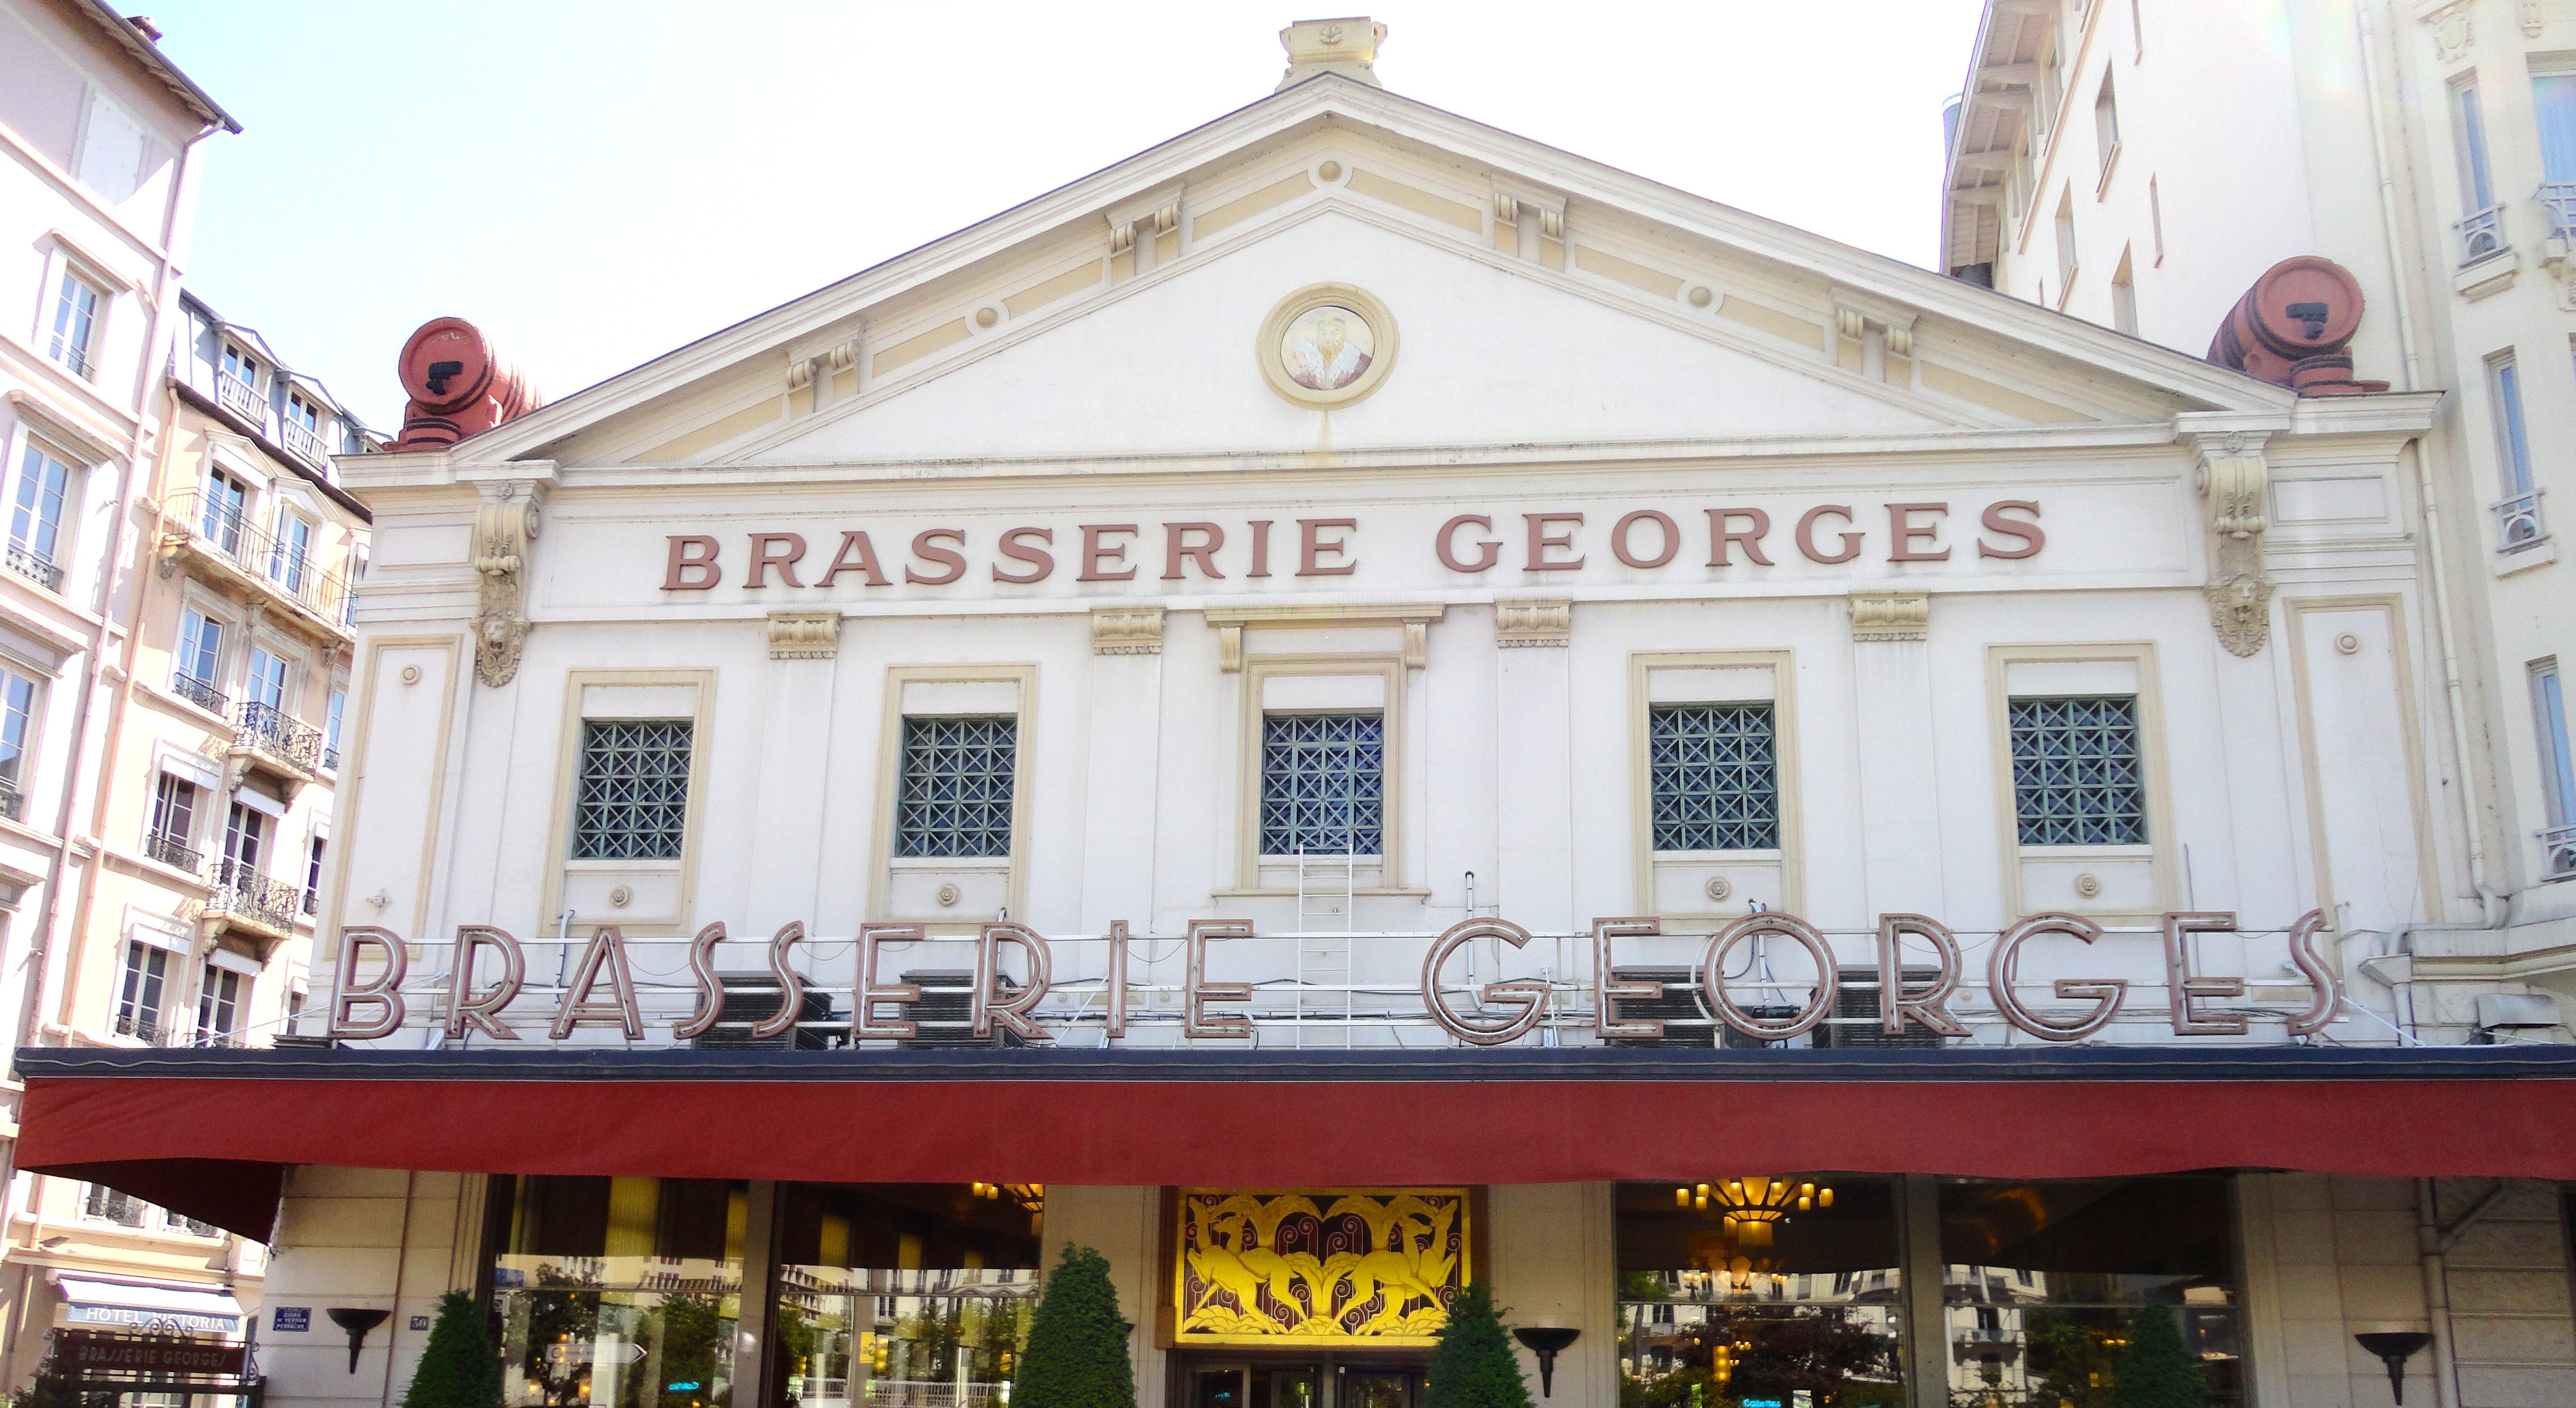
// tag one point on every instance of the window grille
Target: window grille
(954, 799)
(632, 801)
(2076, 774)
(1323, 784)
(110, 1205)
(1716, 777)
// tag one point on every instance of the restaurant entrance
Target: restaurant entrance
(1371, 1381)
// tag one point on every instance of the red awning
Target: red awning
(194, 1131)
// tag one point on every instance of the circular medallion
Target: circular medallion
(1326, 346)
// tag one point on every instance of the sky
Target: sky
(595, 184)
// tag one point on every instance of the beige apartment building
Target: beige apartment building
(194, 922)
(2140, 163)
(173, 626)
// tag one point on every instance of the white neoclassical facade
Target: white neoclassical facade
(1353, 704)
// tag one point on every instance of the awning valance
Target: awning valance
(150, 1306)
(192, 1130)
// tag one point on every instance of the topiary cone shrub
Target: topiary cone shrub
(1077, 1351)
(2157, 1370)
(459, 1367)
(1475, 1365)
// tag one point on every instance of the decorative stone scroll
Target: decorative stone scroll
(1543, 621)
(804, 635)
(505, 523)
(1891, 616)
(2234, 483)
(1352, 1266)
(1127, 630)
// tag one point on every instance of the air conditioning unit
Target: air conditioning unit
(949, 997)
(752, 998)
(1866, 1002)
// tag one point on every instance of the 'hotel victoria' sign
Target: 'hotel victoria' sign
(601, 987)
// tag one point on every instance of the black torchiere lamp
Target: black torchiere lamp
(1544, 1341)
(2394, 1348)
(357, 1321)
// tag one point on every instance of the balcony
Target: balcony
(271, 733)
(2559, 199)
(172, 850)
(2558, 847)
(201, 693)
(242, 399)
(2518, 522)
(302, 443)
(35, 567)
(245, 894)
(13, 803)
(219, 536)
(2481, 235)
(145, 1027)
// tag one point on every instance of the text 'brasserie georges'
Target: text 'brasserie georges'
(1081, 737)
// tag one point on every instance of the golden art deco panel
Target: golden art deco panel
(1361, 1266)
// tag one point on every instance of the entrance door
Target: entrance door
(1381, 1388)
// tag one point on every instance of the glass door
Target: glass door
(1381, 1388)
(1220, 1386)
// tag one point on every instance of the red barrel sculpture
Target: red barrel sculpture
(2293, 326)
(459, 386)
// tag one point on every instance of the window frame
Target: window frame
(2124, 294)
(2162, 848)
(1395, 817)
(131, 975)
(82, 360)
(2068, 263)
(1262, 774)
(2469, 148)
(902, 763)
(2511, 422)
(686, 694)
(1789, 807)
(2557, 761)
(2106, 132)
(1021, 679)
(37, 447)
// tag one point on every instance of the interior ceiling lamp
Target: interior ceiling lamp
(1028, 1195)
(1753, 1205)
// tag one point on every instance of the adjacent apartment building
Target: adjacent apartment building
(2139, 163)
(174, 621)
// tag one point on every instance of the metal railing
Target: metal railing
(330, 760)
(226, 531)
(2559, 198)
(142, 1026)
(2558, 845)
(241, 398)
(2481, 235)
(75, 359)
(35, 567)
(312, 903)
(2518, 520)
(13, 803)
(303, 443)
(246, 892)
(280, 735)
(172, 850)
(200, 692)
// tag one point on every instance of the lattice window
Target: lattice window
(1323, 784)
(954, 799)
(1716, 777)
(2076, 774)
(632, 802)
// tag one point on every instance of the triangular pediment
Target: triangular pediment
(1547, 301)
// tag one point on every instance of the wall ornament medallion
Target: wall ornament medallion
(1363, 1266)
(1326, 346)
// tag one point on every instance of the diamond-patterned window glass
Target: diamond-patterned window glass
(954, 796)
(1323, 784)
(1716, 777)
(632, 802)
(2077, 780)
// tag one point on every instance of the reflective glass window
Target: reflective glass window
(904, 1295)
(1750, 1287)
(620, 1292)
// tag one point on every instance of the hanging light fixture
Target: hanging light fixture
(1754, 1204)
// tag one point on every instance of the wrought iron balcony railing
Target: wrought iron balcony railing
(35, 567)
(2481, 235)
(2558, 843)
(312, 903)
(172, 850)
(75, 359)
(241, 398)
(280, 735)
(201, 693)
(142, 1026)
(13, 803)
(2559, 199)
(2518, 521)
(217, 526)
(246, 892)
(302, 443)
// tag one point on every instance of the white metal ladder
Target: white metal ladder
(1324, 920)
